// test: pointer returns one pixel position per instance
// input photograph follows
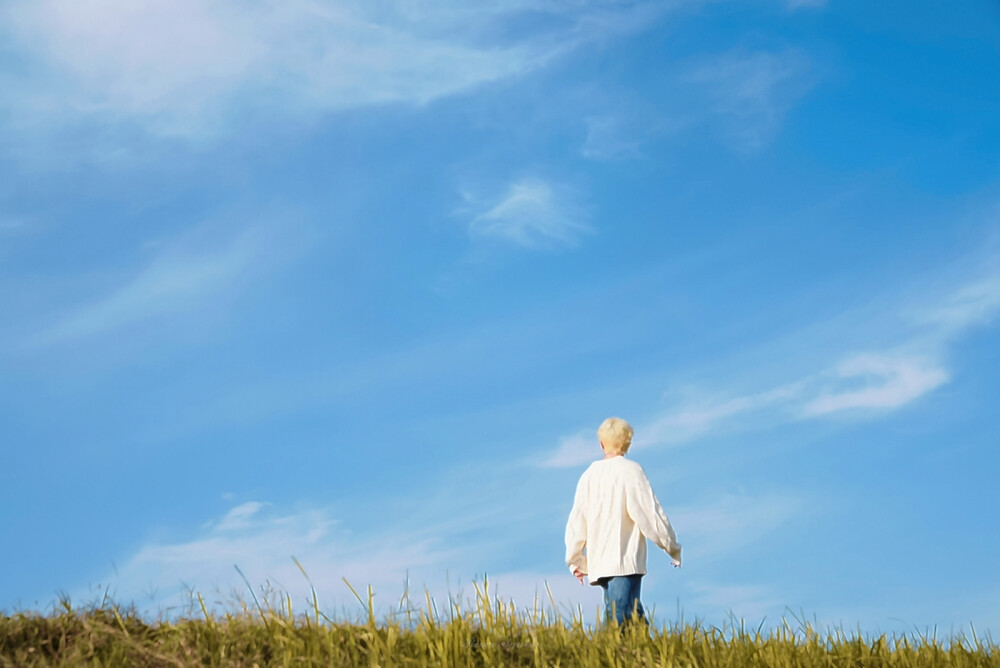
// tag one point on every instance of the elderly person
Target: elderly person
(614, 512)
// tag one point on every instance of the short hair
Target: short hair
(616, 435)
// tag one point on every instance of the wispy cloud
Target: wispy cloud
(696, 418)
(751, 92)
(179, 66)
(532, 214)
(862, 384)
(432, 553)
(976, 303)
(181, 278)
(574, 450)
(607, 140)
(887, 382)
(621, 133)
(673, 427)
(239, 517)
(262, 545)
(160, 576)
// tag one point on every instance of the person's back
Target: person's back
(614, 511)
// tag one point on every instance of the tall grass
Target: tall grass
(486, 632)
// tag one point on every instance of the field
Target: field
(490, 633)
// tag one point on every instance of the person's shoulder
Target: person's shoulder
(618, 466)
(633, 468)
(596, 470)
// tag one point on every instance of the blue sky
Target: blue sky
(356, 282)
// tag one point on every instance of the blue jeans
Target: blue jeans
(621, 598)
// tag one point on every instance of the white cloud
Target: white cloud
(574, 450)
(751, 92)
(432, 554)
(532, 214)
(181, 278)
(866, 384)
(692, 420)
(262, 545)
(240, 516)
(607, 140)
(861, 382)
(887, 382)
(673, 427)
(179, 66)
(974, 304)
(160, 576)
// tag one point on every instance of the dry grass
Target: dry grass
(492, 633)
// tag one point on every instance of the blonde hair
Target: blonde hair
(615, 435)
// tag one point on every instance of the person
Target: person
(614, 512)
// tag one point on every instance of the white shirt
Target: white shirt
(614, 511)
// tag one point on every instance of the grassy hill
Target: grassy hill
(495, 633)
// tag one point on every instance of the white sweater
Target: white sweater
(614, 511)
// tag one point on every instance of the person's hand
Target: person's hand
(579, 575)
(675, 563)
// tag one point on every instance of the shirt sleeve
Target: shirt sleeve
(645, 510)
(576, 530)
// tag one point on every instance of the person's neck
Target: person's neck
(608, 455)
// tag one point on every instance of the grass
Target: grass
(489, 633)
